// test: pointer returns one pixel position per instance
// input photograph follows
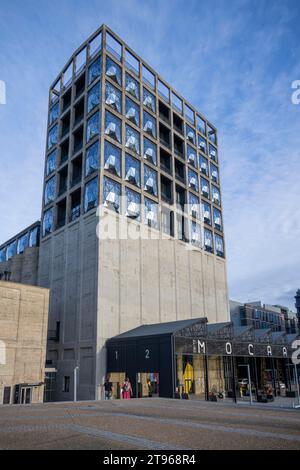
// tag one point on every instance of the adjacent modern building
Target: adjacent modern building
(23, 338)
(120, 137)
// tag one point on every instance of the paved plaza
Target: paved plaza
(156, 424)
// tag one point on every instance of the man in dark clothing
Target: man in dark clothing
(108, 388)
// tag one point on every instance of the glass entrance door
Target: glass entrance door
(25, 395)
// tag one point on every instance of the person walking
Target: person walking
(126, 389)
(108, 388)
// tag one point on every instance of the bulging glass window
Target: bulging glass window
(92, 127)
(132, 111)
(113, 97)
(204, 184)
(196, 234)
(133, 204)
(50, 189)
(34, 237)
(53, 137)
(219, 245)
(190, 134)
(54, 112)
(206, 213)
(149, 124)
(149, 100)
(112, 158)
(92, 159)
(91, 195)
(2, 255)
(132, 139)
(111, 194)
(202, 144)
(51, 163)
(93, 98)
(194, 206)
(213, 153)
(48, 222)
(150, 151)
(112, 126)
(208, 240)
(212, 134)
(217, 219)
(203, 165)
(23, 243)
(132, 86)
(113, 71)
(201, 127)
(193, 180)
(215, 195)
(132, 170)
(150, 180)
(11, 250)
(151, 213)
(214, 174)
(94, 70)
(191, 156)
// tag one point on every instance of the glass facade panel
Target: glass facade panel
(132, 139)
(111, 194)
(112, 126)
(212, 135)
(34, 237)
(150, 151)
(149, 124)
(92, 159)
(191, 156)
(203, 165)
(206, 213)
(51, 163)
(11, 250)
(91, 195)
(113, 97)
(112, 158)
(196, 234)
(92, 127)
(151, 213)
(93, 98)
(150, 180)
(190, 134)
(132, 62)
(48, 222)
(215, 195)
(94, 70)
(132, 111)
(148, 77)
(217, 219)
(163, 91)
(50, 189)
(193, 180)
(204, 187)
(177, 103)
(194, 206)
(132, 86)
(149, 100)
(2, 255)
(219, 245)
(214, 173)
(213, 153)
(133, 204)
(23, 243)
(208, 240)
(201, 126)
(113, 71)
(113, 46)
(132, 170)
(54, 112)
(189, 114)
(53, 137)
(202, 144)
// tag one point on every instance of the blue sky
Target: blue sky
(234, 60)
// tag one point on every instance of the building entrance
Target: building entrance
(148, 384)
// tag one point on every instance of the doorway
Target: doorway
(25, 395)
(148, 384)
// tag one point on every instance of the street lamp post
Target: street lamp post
(76, 369)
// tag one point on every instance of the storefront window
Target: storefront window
(206, 213)
(214, 174)
(190, 134)
(133, 204)
(194, 205)
(113, 71)
(219, 245)
(93, 98)
(217, 219)
(92, 127)
(111, 194)
(50, 189)
(149, 124)
(132, 111)
(113, 97)
(193, 180)
(54, 112)
(34, 237)
(94, 70)
(202, 144)
(23, 243)
(92, 159)
(132, 139)
(132, 170)
(204, 187)
(53, 136)
(91, 195)
(132, 86)
(216, 195)
(51, 163)
(149, 100)
(112, 126)
(191, 156)
(48, 222)
(150, 151)
(150, 180)
(208, 240)
(203, 165)
(151, 213)
(112, 158)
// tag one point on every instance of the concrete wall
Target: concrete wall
(23, 331)
(23, 267)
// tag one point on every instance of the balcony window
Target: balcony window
(92, 127)
(206, 213)
(63, 178)
(196, 234)
(217, 219)
(180, 198)
(164, 135)
(11, 250)
(203, 165)
(149, 100)
(150, 180)
(191, 156)
(64, 151)
(53, 137)
(149, 124)
(202, 144)
(193, 180)
(132, 139)
(111, 194)
(79, 112)
(112, 126)
(65, 124)
(177, 123)
(208, 240)
(164, 112)
(214, 174)
(78, 139)
(48, 222)
(163, 91)
(91, 195)
(189, 114)
(112, 158)
(113, 71)
(215, 195)
(34, 237)
(50, 189)
(113, 46)
(131, 62)
(54, 112)
(166, 189)
(194, 206)
(178, 146)
(212, 134)
(93, 97)
(165, 160)
(150, 151)
(177, 103)
(148, 77)
(94, 70)
(132, 170)
(219, 245)
(132, 111)
(113, 97)
(92, 159)
(151, 213)
(204, 184)
(75, 205)
(66, 100)
(61, 209)
(179, 170)
(76, 170)
(80, 86)
(213, 153)
(2, 255)
(201, 126)
(133, 204)
(190, 134)
(51, 163)
(132, 86)
(23, 243)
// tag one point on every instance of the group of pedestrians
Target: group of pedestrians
(126, 389)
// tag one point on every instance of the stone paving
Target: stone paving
(155, 424)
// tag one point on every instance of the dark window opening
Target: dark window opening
(64, 151)
(65, 125)
(166, 189)
(76, 170)
(80, 85)
(78, 140)
(61, 213)
(164, 112)
(177, 123)
(63, 176)
(66, 385)
(180, 197)
(164, 135)
(165, 161)
(179, 170)
(66, 100)
(167, 221)
(78, 112)
(182, 228)
(75, 205)
(178, 146)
